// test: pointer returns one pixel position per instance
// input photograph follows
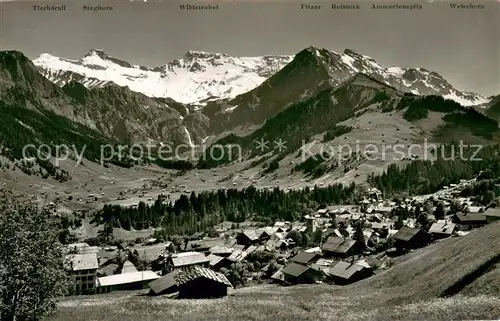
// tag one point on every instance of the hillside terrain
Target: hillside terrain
(432, 283)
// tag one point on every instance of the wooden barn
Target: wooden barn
(201, 283)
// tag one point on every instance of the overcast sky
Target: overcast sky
(461, 45)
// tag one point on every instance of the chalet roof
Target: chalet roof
(164, 283)
(304, 257)
(278, 275)
(78, 262)
(367, 233)
(492, 212)
(108, 269)
(406, 233)
(128, 267)
(294, 269)
(201, 272)
(252, 235)
(82, 248)
(442, 227)
(363, 263)
(282, 225)
(127, 278)
(325, 262)
(188, 258)
(474, 209)
(271, 243)
(214, 259)
(281, 243)
(239, 255)
(238, 247)
(338, 244)
(470, 218)
(221, 250)
(269, 230)
(251, 248)
(345, 270)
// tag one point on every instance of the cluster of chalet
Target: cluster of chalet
(341, 260)
(95, 270)
(194, 270)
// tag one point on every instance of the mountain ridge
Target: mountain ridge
(201, 76)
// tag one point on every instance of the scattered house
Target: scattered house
(201, 283)
(339, 247)
(247, 237)
(239, 254)
(197, 245)
(151, 241)
(83, 267)
(382, 229)
(344, 272)
(492, 214)
(281, 227)
(410, 238)
(126, 281)
(164, 285)
(185, 260)
(299, 226)
(306, 258)
(297, 274)
(442, 229)
(265, 233)
(469, 221)
(322, 212)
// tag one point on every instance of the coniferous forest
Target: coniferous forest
(197, 212)
(426, 176)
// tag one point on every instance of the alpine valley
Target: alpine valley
(317, 97)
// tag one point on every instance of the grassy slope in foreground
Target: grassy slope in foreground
(410, 290)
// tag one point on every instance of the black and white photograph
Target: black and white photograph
(249, 160)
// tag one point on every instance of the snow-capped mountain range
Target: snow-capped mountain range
(419, 81)
(200, 76)
(196, 77)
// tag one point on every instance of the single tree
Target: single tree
(317, 237)
(399, 223)
(32, 271)
(440, 211)
(359, 236)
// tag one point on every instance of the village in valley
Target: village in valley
(339, 244)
